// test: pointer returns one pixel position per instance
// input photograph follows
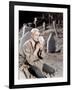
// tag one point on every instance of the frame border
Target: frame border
(11, 44)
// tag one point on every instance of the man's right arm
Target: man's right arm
(30, 57)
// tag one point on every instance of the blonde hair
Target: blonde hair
(35, 30)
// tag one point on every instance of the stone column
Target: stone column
(35, 22)
(54, 27)
(44, 25)
(24, 27)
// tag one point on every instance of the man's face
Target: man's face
(36, 36)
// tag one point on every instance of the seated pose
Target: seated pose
(28, 56)
(31, 60)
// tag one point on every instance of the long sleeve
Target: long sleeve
(27, 51)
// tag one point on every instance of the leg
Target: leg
(36, 72)
(48, 69)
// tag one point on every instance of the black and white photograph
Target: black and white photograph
(40, 33)
(40, 44)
